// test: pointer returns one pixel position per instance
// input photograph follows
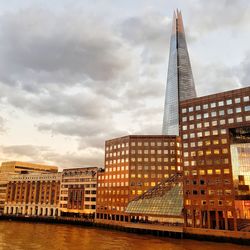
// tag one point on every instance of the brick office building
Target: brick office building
(134, 164)
(215, 132)
(78, 192)
(34, 194)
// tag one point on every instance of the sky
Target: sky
(74, 73)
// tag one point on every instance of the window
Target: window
(229, 102)
(246, 98)
(237, 100)
(213, 105)
(205, 106)
(184, 110)
(221, 103)
(222, 122)
(206, 115)
(239, 119)
(238, 110)
(215, 132)
(217, 171)
(198, 108)
(207, 133)
(198, 116)
(230, 111)
(213, 114)
(247, 108)
(209, 171)
(190, 109)
(221, 112)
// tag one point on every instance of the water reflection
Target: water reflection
(19, 235)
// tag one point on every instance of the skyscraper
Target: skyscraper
(180, 82)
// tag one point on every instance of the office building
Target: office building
(78, 192)
(17, 167)
(133, 165)
(215, 131)
(34, 194)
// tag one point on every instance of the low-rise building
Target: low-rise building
(35, 194)
(17, 167)
(78, 192)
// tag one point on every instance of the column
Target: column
(226, 220)
(217, 219)
(34, 210)
(7, 191)
(50, 191)
(208, 219)
(30, 194)
(45, 192)
(193, 218)
(57, 187)
(5, 210)
(25, 197)
(15, 197)
(40, 193)
(20, 193)
(29, 210)
(34, 202)
(235, 220)
(201, 218)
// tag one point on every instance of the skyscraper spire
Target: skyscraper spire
(180, 82)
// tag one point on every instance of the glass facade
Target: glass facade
(180, 83)
(166, 199)
(240, 155)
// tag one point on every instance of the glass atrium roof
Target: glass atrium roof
(165, 199)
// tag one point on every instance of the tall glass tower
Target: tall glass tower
(180, 82)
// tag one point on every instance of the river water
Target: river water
(21, 235)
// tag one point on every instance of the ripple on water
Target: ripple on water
(26, 236)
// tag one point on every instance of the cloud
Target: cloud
(244, 69)
(150, 32)
(213, 15)
(2, 125)
(45, 155)
(40, 46)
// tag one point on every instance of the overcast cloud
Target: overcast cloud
(83, 72)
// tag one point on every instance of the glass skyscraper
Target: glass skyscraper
(180, 82)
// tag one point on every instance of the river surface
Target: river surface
(21, 235)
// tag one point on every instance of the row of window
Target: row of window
(140, 144)
(210, 192)
(206, 152)
(206, 124)
(118, 208)
(207, 162)
(189, 202)
(146, 151)
(207, 172)
(205, 134)
(207, 142)
(215, 104)
(114, 184)
(114, 192)
(114, 200)
(153, 159)
(146, 176)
